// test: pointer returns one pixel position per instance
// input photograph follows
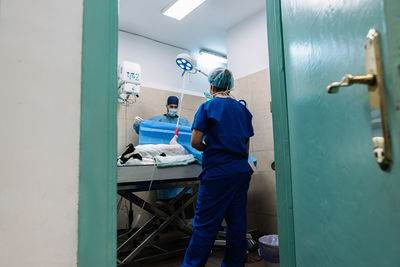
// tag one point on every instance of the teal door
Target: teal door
(346, 210)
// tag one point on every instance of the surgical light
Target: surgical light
(181, 8)
(187, 64)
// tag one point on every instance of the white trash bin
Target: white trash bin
(269, 250)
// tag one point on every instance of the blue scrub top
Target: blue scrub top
(164, 118)
(227, 127)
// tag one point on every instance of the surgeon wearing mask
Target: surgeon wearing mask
(226, 127)
(170, 117)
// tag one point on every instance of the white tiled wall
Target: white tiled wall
(261, 208)
(151, 103)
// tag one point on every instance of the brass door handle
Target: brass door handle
(348, 79)
(377, 100)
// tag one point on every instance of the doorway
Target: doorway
(98, 183)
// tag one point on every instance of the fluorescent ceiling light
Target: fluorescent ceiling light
(208, 61)
(181, 8)
(213, 57)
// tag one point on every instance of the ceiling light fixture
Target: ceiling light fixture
(181, 8)
(210, 56)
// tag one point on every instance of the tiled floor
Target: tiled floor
(214, 260)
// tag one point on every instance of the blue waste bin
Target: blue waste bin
(269, 249)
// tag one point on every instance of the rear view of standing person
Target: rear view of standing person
(226, 127)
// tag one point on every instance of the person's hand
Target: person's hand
(137, 120)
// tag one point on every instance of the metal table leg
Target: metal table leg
(137, 233)
(167, 221)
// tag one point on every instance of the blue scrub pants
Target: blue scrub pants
(225, 197)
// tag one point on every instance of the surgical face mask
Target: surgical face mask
(208, 96)
(172, 112)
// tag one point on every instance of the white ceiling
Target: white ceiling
(205, 27)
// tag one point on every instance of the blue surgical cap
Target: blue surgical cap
(221, 78)
(172, 100)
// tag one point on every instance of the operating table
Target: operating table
(134, 179)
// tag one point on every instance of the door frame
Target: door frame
(97, 223)
(287, 251)
(279, 107)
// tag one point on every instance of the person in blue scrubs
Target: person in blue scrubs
(169, 117)
(222, 129)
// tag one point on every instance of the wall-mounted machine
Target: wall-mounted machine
(129, 80)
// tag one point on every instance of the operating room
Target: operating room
(152, 43)
(201, 133)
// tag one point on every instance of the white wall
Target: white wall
(247, 46)
(157, 60)
(40, 68)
